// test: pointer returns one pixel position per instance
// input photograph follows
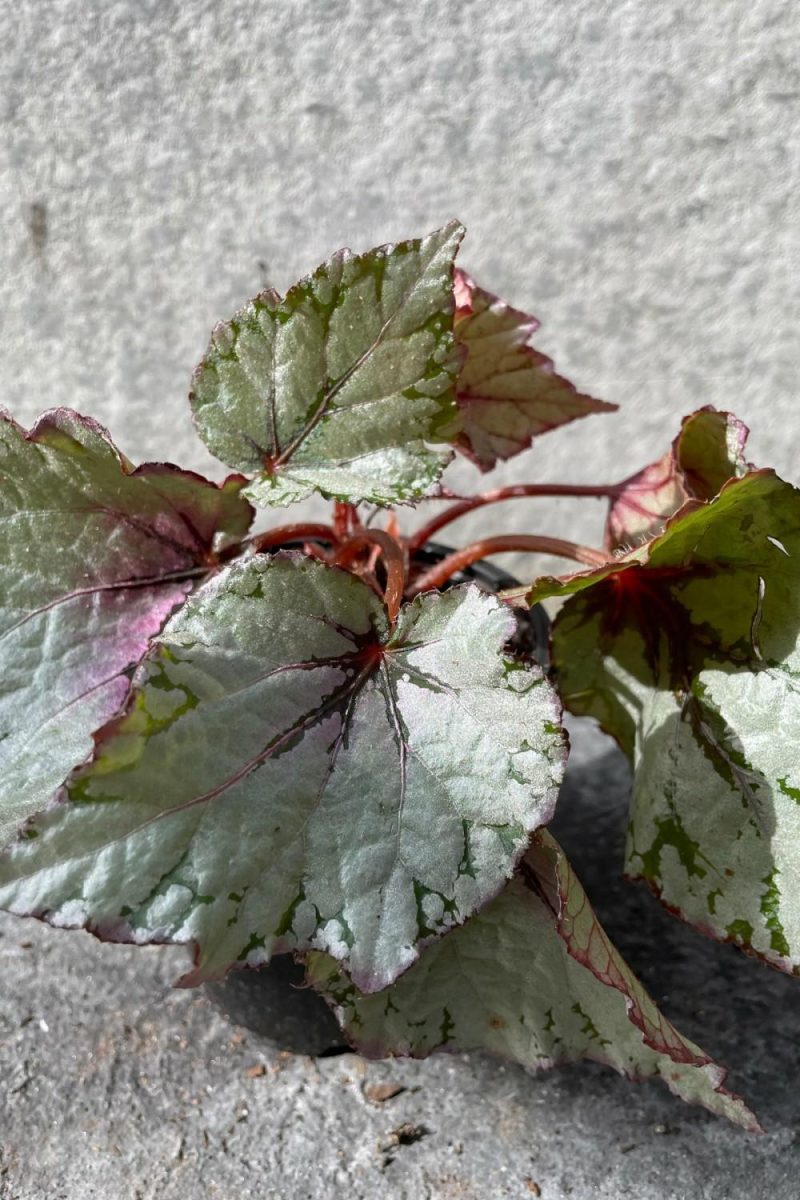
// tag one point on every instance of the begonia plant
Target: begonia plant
(308, 741)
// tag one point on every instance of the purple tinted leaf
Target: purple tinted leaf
(94, 556)
(708, 451)
(507, 392)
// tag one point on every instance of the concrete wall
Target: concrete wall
(626, 170)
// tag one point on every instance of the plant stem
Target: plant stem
(438, 575)
(393, 557)
(345, 519)
(294, 533)
(514, 492)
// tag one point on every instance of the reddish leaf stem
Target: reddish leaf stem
(439, 574)
(393, 557)
(345, 519)
(294, 533)
(312, 550)
(514, 492)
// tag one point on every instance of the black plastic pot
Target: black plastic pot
(274, 1001)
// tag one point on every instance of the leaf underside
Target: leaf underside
(290, 774)
(337, 387)
(708, 451)
(686, 651)
(533, 978)
(94, 556)
(507, 392)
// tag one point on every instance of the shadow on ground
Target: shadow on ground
(746, 1015)
(116, 1087)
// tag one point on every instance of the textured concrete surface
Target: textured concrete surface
(116, 1088)
(628, 171)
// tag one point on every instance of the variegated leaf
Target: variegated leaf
(94, 555)
(337, 387)
(292, 772)
(533, 978)
(686, 651)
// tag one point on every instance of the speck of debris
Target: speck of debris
(36, 222)
(379, 1093)
(404, 1135)
(532, 1186)
(257, 1071)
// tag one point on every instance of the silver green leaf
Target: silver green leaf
(337, 387)
(715, 819)
(94, 556)
(534, 978)
(687, 651)
(291, 772)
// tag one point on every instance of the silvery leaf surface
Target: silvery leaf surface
(534, 978)
(94, 556)
(338, 386)
(686, 651)
(291, 773)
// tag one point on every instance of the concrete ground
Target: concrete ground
(116, 1087)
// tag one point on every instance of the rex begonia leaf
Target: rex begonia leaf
(337, 387)
(291, 772)
(94, 556)
(507, 392)
(708, 451)
(534, 978)
(686, 651)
